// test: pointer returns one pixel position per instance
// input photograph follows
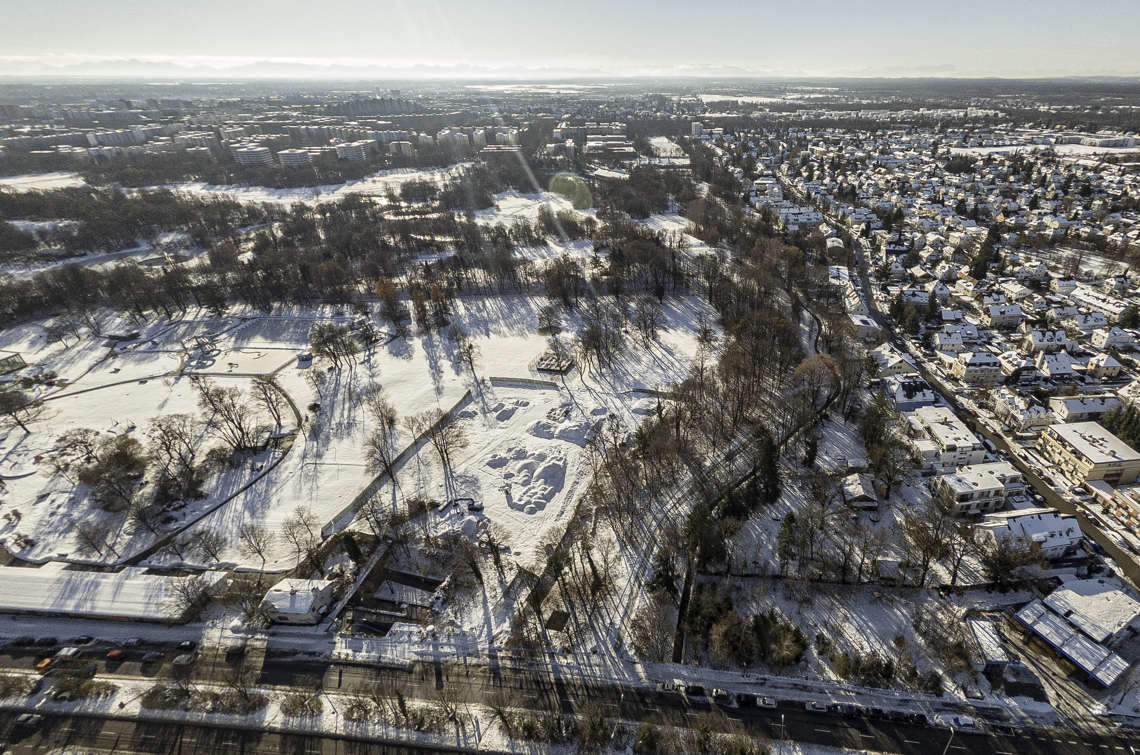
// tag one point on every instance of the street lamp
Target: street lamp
(953, 731)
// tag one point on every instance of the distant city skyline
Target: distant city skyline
(517, 39)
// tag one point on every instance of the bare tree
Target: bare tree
(444, 434)
(255, 540)
(333, 342)
(301, 529)
(188, 595)
(648, 318)
(651, 631)
(229, 415)
(94, 537)
(174, 443)
(209, 542)
(144, 515)
(270, 397)
(316, 380)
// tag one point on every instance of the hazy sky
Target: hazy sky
(512, 37)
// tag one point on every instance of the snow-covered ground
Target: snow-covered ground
(42, 181)
(376, 185)
(524, 457)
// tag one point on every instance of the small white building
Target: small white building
(298, 601)
(1111, 338)
(1047, 531)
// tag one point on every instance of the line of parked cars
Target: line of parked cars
(75, 648)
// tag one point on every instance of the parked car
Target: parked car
(153, 657)
(766, 702)
(234, 651)
(22, 642)
(68, 654)
(721, 696)
(850, 711)
(693, 690)
(133, 642)
(745, 698)
(188, 645)
(896, 715)
(917, 718)
(874, 713)
(185, 659)
(44, 665)
(814, 707)
(46, 642)
(81, 640)
(117, 655)
(90, 671)
(28, 720)
(964, 722)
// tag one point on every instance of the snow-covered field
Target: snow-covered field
(42, 181)
(524, 459)
(376, 185)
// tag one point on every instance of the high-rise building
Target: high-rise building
(250, 156)
(295, 158)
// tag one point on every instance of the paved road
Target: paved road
(91, 734)
(530, 690)
(787, 723)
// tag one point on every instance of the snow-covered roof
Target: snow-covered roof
(985, 634)
(295, 596)
(1095, 607)
(1096, 660)
(54, 590)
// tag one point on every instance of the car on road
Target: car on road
(722, 697)
(1039, 499)
(153, 658)
(814, 707)
(28, 720)
(117, 655)
(766, 702)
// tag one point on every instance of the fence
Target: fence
(377, 483)
(524, 381)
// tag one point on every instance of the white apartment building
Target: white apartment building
(1047, 531)
(295, 158)
(951, 442)
(981, 488)
(255, 155)
(977, 367)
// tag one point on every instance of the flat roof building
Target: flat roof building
(1086, 451)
